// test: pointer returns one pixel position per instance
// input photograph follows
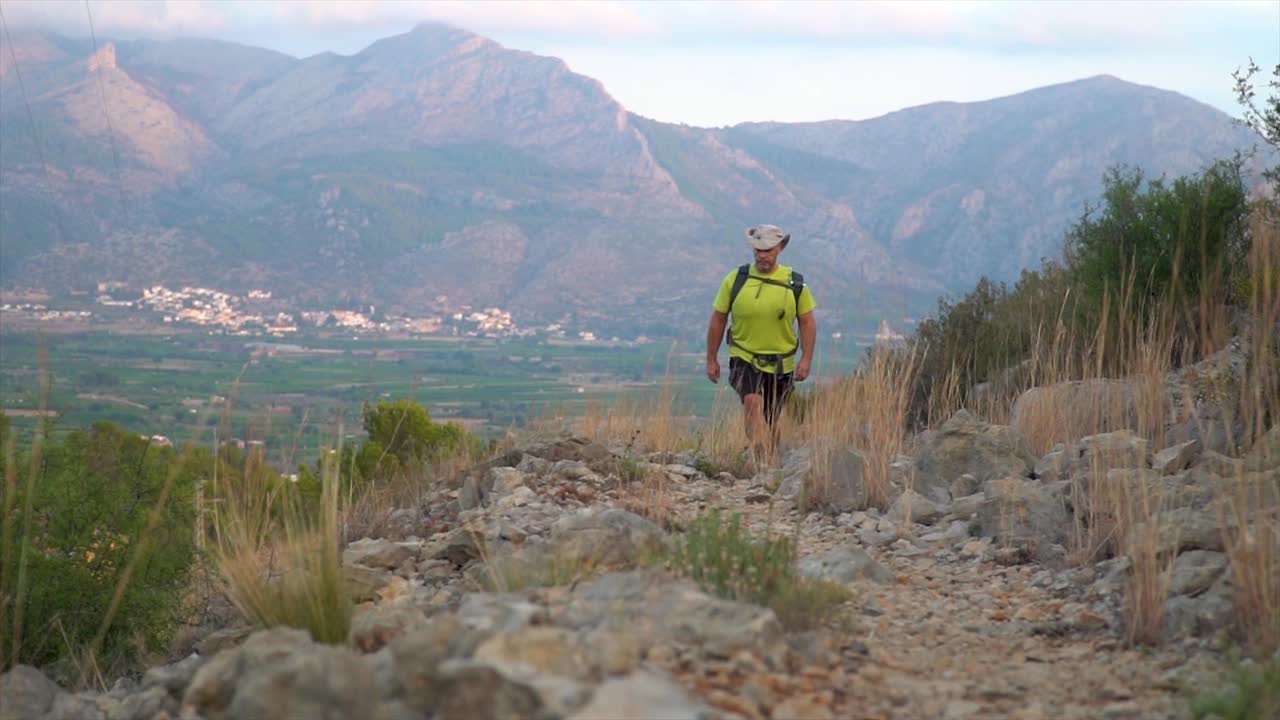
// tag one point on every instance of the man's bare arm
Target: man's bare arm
(808, 339)
(715, 335)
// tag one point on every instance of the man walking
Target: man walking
(766, 300)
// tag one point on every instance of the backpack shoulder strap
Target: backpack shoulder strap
(797, 287)
(738, 282)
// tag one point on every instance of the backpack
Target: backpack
(796, 284)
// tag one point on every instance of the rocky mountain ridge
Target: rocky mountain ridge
(438, 162)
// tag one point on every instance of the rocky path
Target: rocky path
(944, 624)
(950, 633)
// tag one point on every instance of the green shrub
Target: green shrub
(1253, 693)
(1165, 240)
(90, 502)
(629, 469)
(727, 560)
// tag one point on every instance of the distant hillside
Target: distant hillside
(438, 162)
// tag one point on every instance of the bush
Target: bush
(727, 560)
(1253, 693)
(89, 506)
(1165, 240)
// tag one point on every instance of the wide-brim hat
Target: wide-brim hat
(766, 237)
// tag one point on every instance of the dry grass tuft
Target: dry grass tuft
(282, 565)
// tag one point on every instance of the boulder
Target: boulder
(1200, 615)
(283, 673)
(642, 695)
(912, 507)
(1195, 571)
(1176, 530)
(25, 693)
(1108, 451)
(477, 688)
(174, 677)
(1076, 409)
(659, 608)
(965, 444)
(1176, 458)
(380, 553)
(610, 537)
(1026, 515)
(843, 565)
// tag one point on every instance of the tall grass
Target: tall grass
(1249, 500)
(867, 411)
(282, 564)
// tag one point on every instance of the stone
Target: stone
(1177, 530)
(571, 470)
(1195, 571)
(282, 673)
(1201, 615)
(459, 546)
(219, 640)
(870, 537)
(376, 627)
(846, 488)
(363, 583)
(844, 564)
(913, 507)
(966, 507)
(1054, 465)
(477, 688)
(413, 661)
(965, 485)
(149, 704)
(964, 444)
(175, 677)
(610, 537)
(381, 553)
(1024, 514)
(1076, 409)
(1108, 451)
(956, 532)
(645, 695)
(548, 650)
(25, 693)
(662, 609)
(1176, 458)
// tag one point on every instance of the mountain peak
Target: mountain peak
(104, 58)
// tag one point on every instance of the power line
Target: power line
(35, 136)
(111, 131)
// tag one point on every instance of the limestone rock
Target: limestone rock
(282, 673)
(965, 444)
(642, 695)
(843, 565)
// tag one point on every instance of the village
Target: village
(256, 314)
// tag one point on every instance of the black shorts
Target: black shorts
(748, 379)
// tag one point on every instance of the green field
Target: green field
(296, 393)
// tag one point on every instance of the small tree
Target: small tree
(1264, 118)
(1163, 241)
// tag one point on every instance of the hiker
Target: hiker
(766, 301)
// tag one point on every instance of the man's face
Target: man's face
(767, 260)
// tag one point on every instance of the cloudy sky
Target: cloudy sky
(719, 63)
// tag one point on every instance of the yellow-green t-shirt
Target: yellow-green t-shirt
(755, 324)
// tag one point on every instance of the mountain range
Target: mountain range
(440, 163)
